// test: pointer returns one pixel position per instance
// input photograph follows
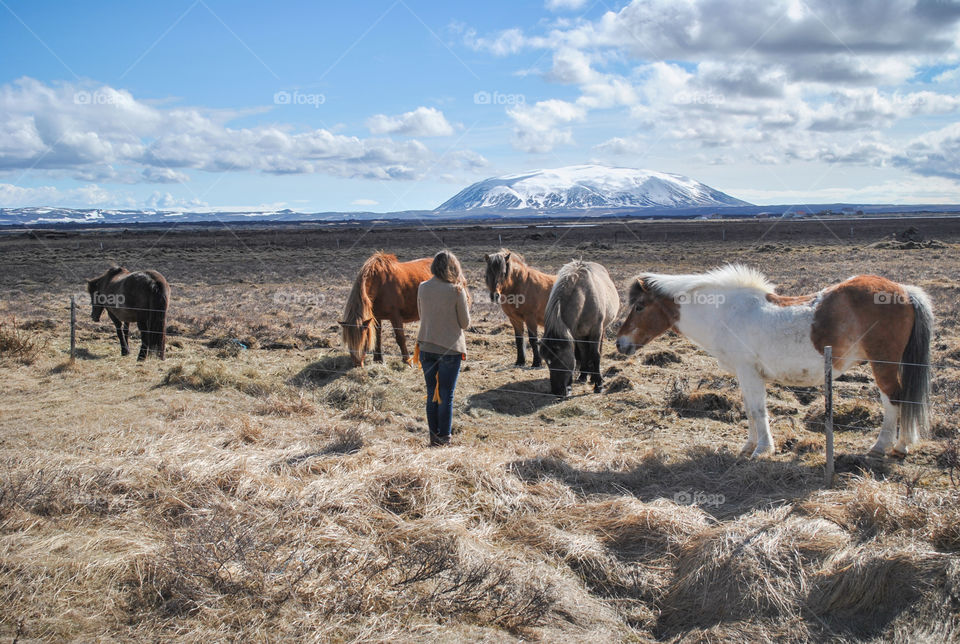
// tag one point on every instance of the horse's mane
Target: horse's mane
(723, 277)
(359, 307)
(110, 273)
(567, 279)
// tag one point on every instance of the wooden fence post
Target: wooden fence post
(73, 328)
(828, 413)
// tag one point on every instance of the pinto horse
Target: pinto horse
(582, 303)
(127, 297)
(385, 289)
(736, 316)
(522, 293)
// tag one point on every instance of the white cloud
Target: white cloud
(104, 134)
(364, 202)
(537, 127)
(423, 121)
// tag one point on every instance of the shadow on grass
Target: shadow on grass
(323, 371)
(515, 398)
(723, 484)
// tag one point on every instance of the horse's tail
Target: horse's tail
(157, 318)
(554, 328)
(915, 367)
(359, 307)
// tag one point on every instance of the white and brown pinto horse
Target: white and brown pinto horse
(735, 315)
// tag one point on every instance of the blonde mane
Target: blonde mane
(731, 276)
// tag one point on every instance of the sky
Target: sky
(390, 105)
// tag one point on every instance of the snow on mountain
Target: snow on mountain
(587, 186)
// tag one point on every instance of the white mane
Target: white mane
(724, 277)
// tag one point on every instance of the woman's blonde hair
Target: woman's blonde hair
(446, 266)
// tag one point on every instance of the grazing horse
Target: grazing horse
(522, 293)
(385, 289)
(735, 315)
(140, 297)
(582, 303)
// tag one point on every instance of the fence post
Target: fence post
(73, 328)
(828, 413)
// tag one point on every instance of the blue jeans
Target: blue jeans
(443, 369)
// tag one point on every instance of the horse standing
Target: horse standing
(141, 297)
(522, 293)
(582, 303)
(735, 315)
(385, 289)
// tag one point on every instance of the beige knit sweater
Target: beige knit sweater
(444, 314)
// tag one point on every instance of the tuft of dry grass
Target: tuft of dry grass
(848, 415)
(207, 375)
(703, 403)
(20, 343)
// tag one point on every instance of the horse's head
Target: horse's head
(96, 303)
(651, 313)
(560, 357)
(358, 338)
(498, 269)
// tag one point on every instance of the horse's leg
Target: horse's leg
(887, 377)
(378, 346)
(118, 325)
(144, 325)
(580, 361)
(532, 334)
(754, 391)
(401, 339)
(126, 338)
(518, 339)
(594, 351)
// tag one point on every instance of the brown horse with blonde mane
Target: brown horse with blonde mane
(127, 297)
(736, 316)
(522, 292)
(385, 289)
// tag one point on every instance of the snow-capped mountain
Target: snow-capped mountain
(581, 187)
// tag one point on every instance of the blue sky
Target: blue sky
(391, 105)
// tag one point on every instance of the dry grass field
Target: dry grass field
(254, 487)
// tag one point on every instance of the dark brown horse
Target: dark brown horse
(140, 297)
(385, 289)
(522, 293)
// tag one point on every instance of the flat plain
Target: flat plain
(254, 486)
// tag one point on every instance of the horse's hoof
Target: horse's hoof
(581, 380)
(875, 453)
(763, 451)
(747, 450)
(536, 364)
(598, 389)
(898, 454)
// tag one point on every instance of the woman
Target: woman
(444, 314)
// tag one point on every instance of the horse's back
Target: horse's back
(585, 297)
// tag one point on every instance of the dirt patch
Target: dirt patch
(847, 416)
(704, 403)
(662, 358)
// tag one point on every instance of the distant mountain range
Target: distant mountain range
(574, 191)
(585, 187)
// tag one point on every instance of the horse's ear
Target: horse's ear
(486, 257)
(506, 257)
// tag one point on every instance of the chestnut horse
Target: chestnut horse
(582, 303)
(140, 297)
(735, 315)
(385, 289)
(522, 293)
